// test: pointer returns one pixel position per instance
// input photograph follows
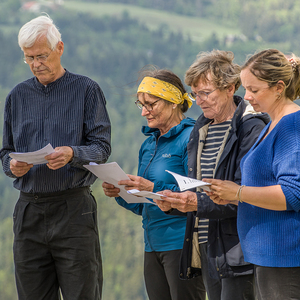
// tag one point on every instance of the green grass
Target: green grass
(198, 29)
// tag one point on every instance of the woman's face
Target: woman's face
(258, 93)
(213, 107)
(161, 116)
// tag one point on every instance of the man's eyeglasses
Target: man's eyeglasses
(40, 58)
(149, 107)
(202, 95)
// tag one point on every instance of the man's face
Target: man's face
(49, 70)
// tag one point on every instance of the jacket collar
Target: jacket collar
(243, 111)
(50, 85)
(187, 122)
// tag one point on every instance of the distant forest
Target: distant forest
(272, 20)
(112, 50)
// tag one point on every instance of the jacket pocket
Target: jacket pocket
(235, 256)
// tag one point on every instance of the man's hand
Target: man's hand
(59, 158)
(19, 168)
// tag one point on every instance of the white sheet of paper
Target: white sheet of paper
(145, 194)
(35, 158)
(186, 183)
(113, 173)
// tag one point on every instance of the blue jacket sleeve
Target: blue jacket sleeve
(136, 208)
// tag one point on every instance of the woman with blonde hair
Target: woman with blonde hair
(269, 195)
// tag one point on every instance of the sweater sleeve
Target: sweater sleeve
(289, 180)
(286, 169)
(286, 149)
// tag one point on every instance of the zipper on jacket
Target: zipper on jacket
(146, 206)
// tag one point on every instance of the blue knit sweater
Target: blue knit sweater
(272, 238)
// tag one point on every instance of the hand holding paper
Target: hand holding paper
(112, 173)
(145, 194)
(35, 158)
(185, 201)
(186, 183)
(182, 201)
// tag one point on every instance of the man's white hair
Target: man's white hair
(36, 28)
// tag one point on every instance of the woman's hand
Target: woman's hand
(110, 190)
(163, 205)
(184, 202)
(223, 191)
(138, 183)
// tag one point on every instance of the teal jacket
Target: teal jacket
(162, 232)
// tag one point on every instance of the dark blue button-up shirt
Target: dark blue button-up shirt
(68, 112)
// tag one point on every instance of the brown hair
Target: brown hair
(271, 66)
(219, 64)
(167, 76)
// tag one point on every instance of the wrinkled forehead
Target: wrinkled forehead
(204, 80)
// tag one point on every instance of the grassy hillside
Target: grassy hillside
(198, 29)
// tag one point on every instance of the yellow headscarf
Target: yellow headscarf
(164, 90)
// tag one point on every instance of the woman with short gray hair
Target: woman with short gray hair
(222, 135)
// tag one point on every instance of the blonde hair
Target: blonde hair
(219, 64)
(273, 66)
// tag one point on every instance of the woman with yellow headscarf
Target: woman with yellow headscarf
(163, 101)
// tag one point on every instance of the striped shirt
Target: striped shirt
(67, 112)
(213, 142)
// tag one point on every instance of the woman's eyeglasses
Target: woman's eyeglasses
(202, 95)
(149, 106)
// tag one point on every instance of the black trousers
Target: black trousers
(161, 272)
(277, 283)
(233, 288)
(56, 246)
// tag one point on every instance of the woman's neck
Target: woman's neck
(227, 113)
(174, 122)
(285, 107)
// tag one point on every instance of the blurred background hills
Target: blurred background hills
(111, 41)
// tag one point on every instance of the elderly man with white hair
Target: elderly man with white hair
(56, 244)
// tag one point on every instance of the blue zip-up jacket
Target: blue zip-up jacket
(162, 232)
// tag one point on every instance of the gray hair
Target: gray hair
(36, 28)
